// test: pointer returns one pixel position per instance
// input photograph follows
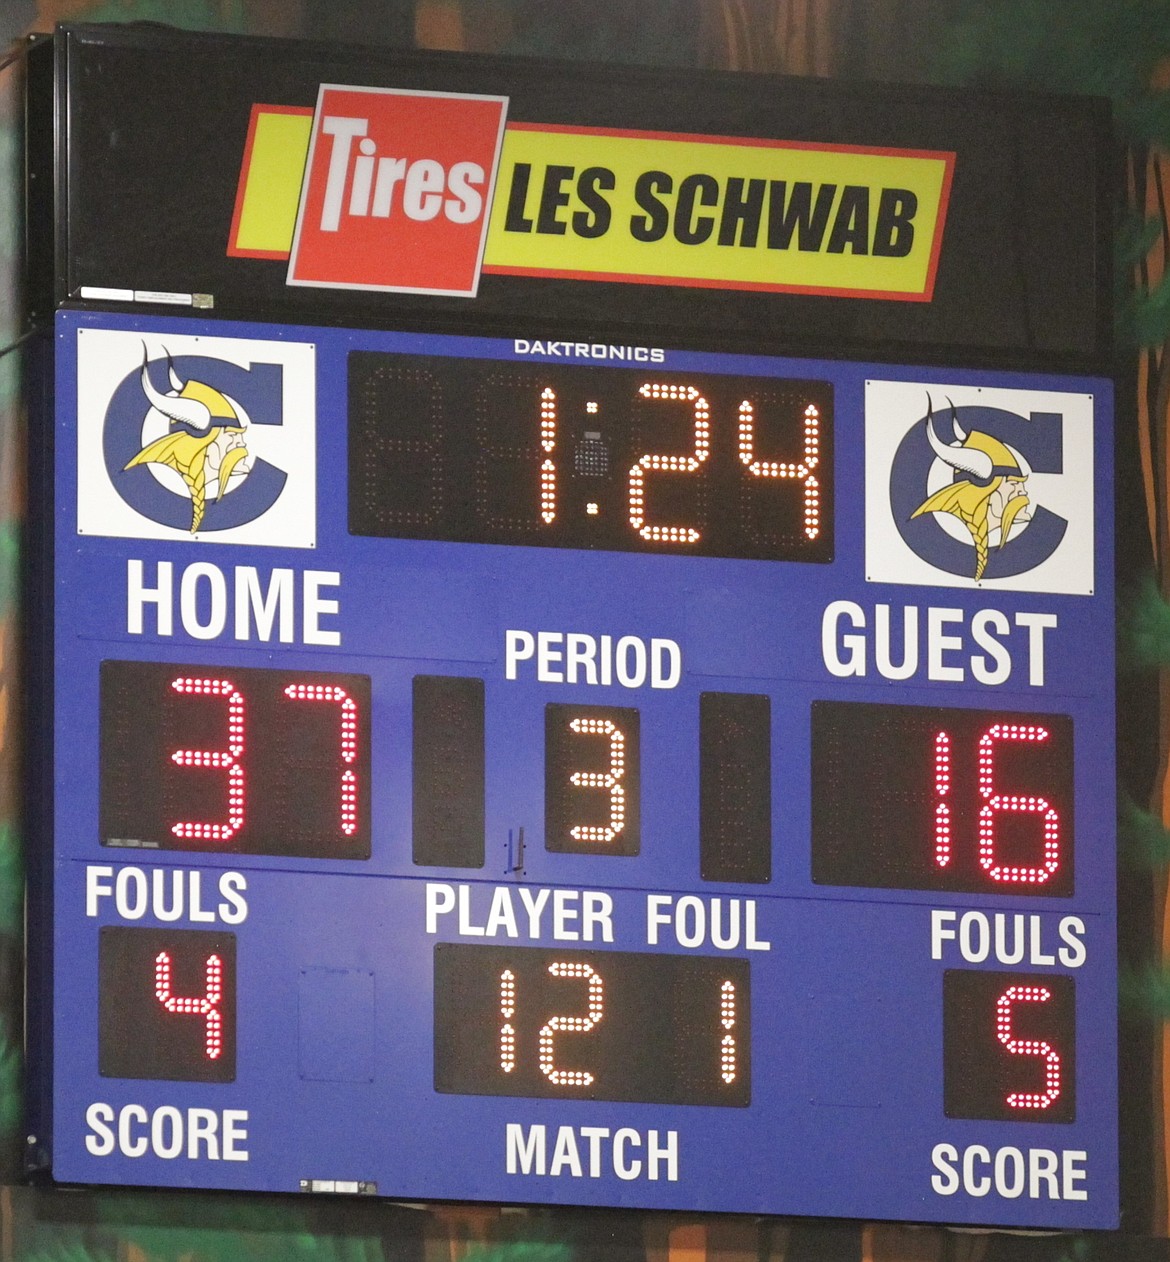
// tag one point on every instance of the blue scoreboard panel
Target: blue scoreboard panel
(581, 773)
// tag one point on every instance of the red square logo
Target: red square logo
(397, 190)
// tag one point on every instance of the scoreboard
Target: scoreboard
(600, 748)
(555, 811)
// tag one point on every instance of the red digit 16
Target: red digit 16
(994, 804)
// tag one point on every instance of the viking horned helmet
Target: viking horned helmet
(977, 455)
(192, 403)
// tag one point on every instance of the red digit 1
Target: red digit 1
(206, 1006)
(942, 789)
(507, 1012)
(995, 804)
(728, 1047)
(348, 811)
(1028, 1047)
(548, 468)
(227, 760)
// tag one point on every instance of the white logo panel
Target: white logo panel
(979, 487)
(204, 438)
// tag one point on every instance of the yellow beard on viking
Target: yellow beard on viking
(982, 509)
(195, 405)
(187, 455)
(1014, 507)
(971, 504)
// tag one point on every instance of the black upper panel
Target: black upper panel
(152, 125)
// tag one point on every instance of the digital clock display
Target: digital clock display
(235, 760)
(624, 459)
(920, 797)
(592, 1025)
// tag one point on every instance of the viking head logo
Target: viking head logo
(205, 444)
(987, 493)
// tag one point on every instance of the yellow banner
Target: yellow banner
(270, 182)
(724, 213)
(659, 208)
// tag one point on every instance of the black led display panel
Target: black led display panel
(167, 1004)
(1009, 1046)
(447, 769)
(592, 786)
(235, 760)
(594, 1025)
(624, 459)
(735, 787)
(942, 799)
